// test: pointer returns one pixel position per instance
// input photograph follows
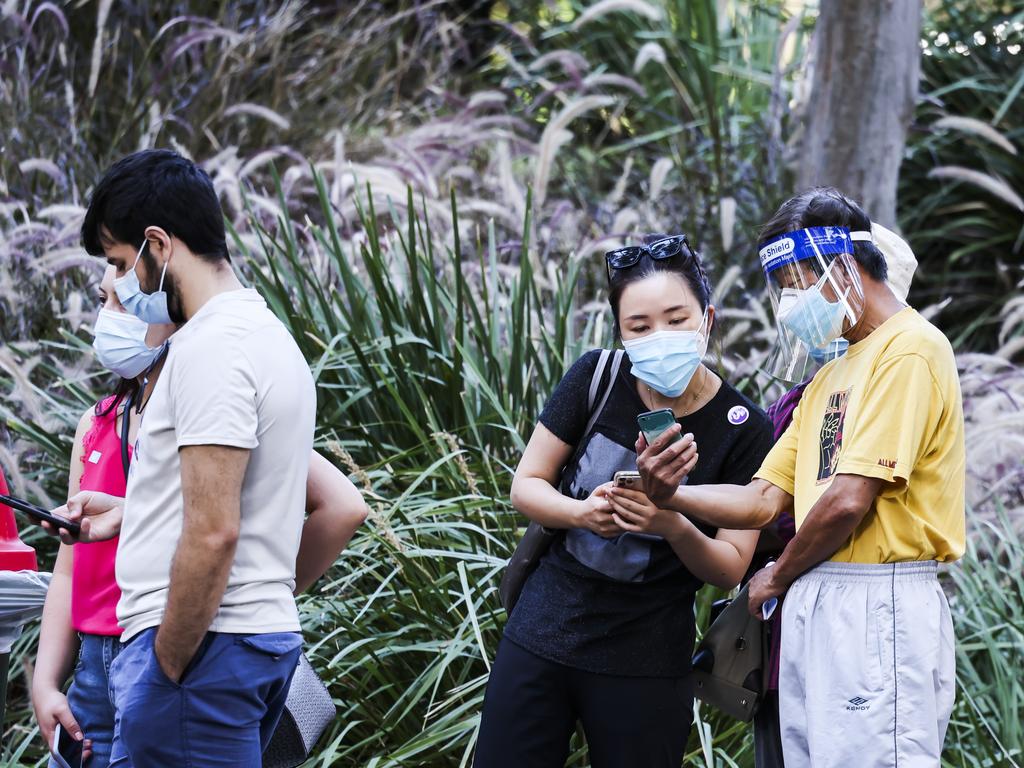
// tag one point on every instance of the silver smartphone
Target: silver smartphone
(628, 479)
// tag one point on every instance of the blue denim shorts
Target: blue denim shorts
(221, 713)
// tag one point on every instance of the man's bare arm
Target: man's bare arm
(738, 507)
(829, 525)
(668, 460)
(211, 489)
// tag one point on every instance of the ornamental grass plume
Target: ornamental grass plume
(605, 7)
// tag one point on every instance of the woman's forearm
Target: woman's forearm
(335, 509)
(325, 534)
(58, 641)
(712, 561)
(536, 498)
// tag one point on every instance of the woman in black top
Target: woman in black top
(604, 628)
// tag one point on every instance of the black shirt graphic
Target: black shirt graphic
(625, 606)
(832, 434)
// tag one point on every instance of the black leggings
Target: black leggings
(767, 735)
(532, 705)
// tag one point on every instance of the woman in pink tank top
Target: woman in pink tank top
(94, 592)
(80, 616)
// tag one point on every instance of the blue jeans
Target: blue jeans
(221, 714)
(89, 695)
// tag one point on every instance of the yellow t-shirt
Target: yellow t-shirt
(890, 408)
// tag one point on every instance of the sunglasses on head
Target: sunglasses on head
(666, 248)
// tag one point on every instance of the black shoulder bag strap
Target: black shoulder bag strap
(126, 425)
(538, 539)
(595, 386)
(594, 405)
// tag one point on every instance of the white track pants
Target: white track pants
(867, 675)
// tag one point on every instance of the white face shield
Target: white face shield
(816, 294)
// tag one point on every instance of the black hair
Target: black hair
(127, 390)
(686, 264)
(156, 187)
(827, 207)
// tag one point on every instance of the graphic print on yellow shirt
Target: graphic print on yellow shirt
(832, 434)
(889, 409)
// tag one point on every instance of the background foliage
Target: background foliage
(422, 191)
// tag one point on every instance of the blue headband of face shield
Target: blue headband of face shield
(802, 244)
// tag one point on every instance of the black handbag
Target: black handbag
(308, 712)
(538, 539)
(531, 548)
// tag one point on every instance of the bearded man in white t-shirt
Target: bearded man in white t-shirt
(210, 527)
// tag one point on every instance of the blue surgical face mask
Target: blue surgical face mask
(831, 351)
(666, 360)
(120, 344)
(810, 316)
(148, 307)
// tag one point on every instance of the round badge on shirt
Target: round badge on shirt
(737, 415)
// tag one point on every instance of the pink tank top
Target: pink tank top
(94, 592)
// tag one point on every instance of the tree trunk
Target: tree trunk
(866, 63)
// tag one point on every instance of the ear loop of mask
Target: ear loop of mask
(138, 255)
(163, 272)
(706, 333)
(831, 280)
(863, 236)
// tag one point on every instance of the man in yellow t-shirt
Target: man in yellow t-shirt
(888, 410)
(873, 469)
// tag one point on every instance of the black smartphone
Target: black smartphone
(39, 513)
(653, 423)
(68, 751)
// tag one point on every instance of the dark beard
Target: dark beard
(174, 304)
(153, 270)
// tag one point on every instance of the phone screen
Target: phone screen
(653, 423)
(69, 751)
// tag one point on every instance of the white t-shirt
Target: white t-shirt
(233, 377)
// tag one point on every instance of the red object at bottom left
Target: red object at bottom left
(15, 555)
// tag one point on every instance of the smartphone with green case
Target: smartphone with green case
(653, 423)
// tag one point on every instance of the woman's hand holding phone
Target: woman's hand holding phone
(51, 709)
(596, 513)
(99, 514)
(664, 463)
(633, 512)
